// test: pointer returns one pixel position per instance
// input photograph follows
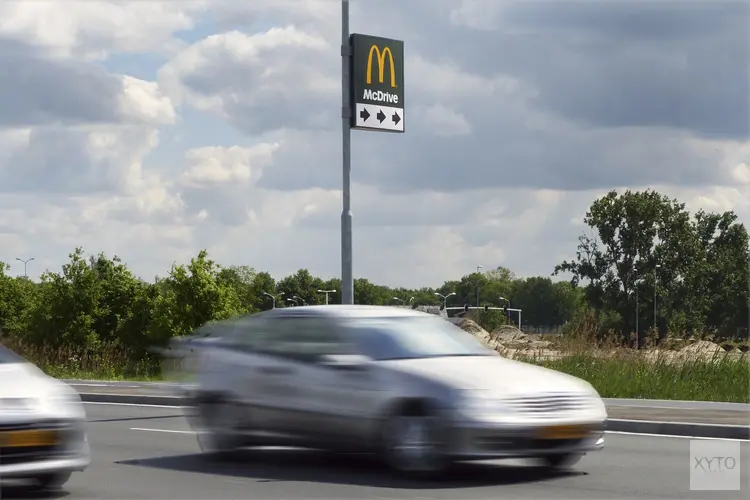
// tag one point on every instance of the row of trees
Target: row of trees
(642, 246)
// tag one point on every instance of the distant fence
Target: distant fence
(543, 329)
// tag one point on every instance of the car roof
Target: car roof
(342, 311)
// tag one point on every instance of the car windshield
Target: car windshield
(413, 337)
(8, 357)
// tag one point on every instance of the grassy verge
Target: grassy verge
(615, 373)
(622, 374)
(108, 362)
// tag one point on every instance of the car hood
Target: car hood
(24, 387)
(495, 374)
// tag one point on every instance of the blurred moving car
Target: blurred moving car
(409, 385)
(42, 425)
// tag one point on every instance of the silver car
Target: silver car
(42, 425)
(409, 385)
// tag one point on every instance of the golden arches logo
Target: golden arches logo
(381, 64)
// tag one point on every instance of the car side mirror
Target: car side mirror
(345, 361)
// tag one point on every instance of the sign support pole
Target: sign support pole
(347, 274)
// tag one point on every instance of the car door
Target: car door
(247, 367)
(334, 403)
(275, 376)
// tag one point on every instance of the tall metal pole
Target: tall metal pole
(347, 273)
(658, 266)
(25, 263)
(326, 292)
(637, 313)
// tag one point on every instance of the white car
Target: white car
(412, 386)
(42, 425)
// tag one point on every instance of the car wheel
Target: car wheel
(217, 434)
(413, 441)
(561, 460)
(52, 481)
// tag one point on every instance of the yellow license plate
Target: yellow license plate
(28, 439)
(563, 432)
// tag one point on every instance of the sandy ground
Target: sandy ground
(512, 342)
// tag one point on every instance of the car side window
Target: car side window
(249, 335)
(304, 339)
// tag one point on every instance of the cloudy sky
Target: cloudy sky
(153, 129)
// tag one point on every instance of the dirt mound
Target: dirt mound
(702, 347)
(480, 333)
(509, 334)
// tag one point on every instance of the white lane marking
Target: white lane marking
(672, 436)
(144, 429)
(130, 404)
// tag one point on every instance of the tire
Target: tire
(52, 481)
(217, 435)
(561, 460)
(413, 441)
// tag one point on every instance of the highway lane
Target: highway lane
(147, 452)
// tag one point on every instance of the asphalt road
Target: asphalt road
(150, 453)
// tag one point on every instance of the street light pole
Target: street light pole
(445, 298)
(326, 292)
(347, 272)
(273, 298)
(25, 262)
(637, 313)
(656, 324)
(476, 287)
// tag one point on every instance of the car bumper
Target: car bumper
(481, 441)
(70, 453)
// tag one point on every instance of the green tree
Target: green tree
(646, 247)
(543, 302)
(190, 297)
(18, 298)
(243, 280)
(301, 284)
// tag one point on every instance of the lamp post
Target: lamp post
(347, 273)
(25, 262)
(476, 287)
(326, 292)
(637, 314)
(273, 298)
(445, 298)
(656, 324)
(300, 299)
(293, 301)
(507, 314)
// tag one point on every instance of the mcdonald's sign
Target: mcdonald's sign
(377, 83)
(386, 52)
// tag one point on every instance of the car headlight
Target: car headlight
(68, 404)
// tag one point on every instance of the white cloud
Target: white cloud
(93, 29)
(212, 166)
(236, 145)
(246, 78)
(143, 101)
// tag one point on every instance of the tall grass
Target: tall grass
(108, 362)
(630, 374)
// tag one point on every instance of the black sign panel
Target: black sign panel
(377, 79)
